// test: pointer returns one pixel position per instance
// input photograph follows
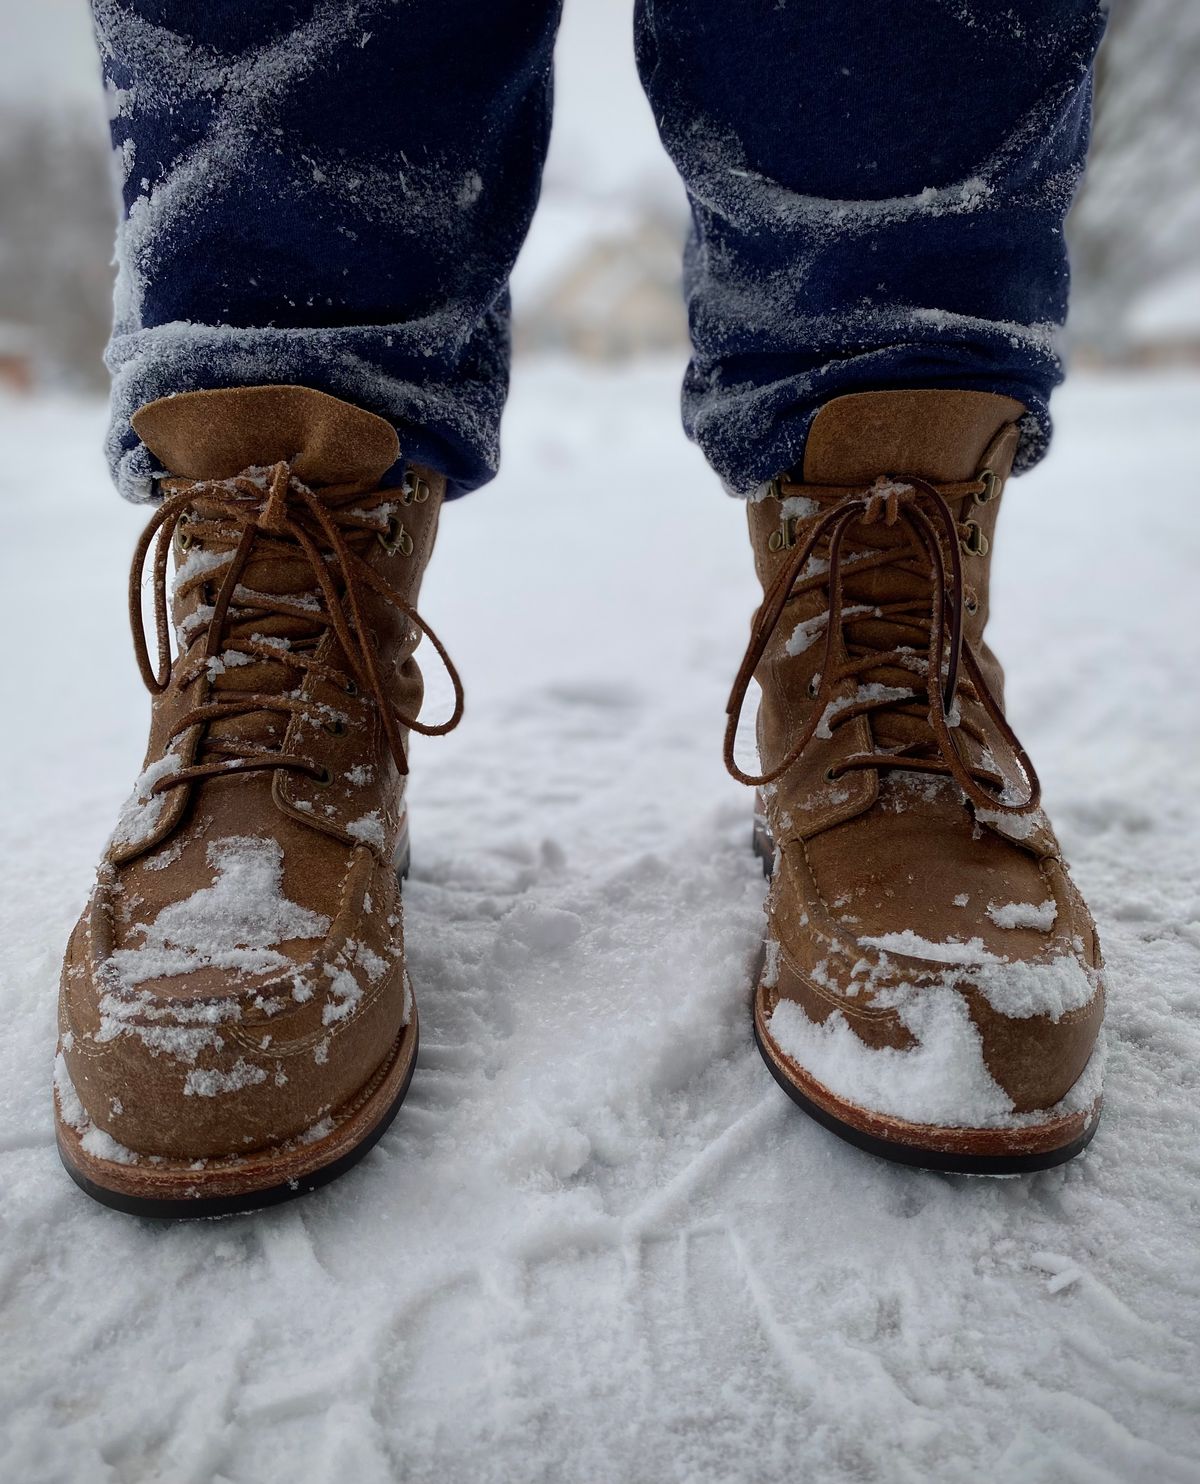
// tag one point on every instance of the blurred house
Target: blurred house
(1136, 224)
(56, 228)
(612, 296)
(1164, 325)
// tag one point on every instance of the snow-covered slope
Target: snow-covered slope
(599, 1244)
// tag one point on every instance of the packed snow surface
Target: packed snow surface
(599, 1245)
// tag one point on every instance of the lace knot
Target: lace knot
(884, 498)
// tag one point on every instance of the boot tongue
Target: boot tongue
(217, 434)
(939, 435)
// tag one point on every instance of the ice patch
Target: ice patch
(369, 829)
(72, 1110)
(164, 856)
(1024, 914)
(1053, 987)
(103, 1146)
(346, 992)
(229, 659)
(862, 695)
(92, 1139)
(210, 1083)
(1015, 826)
(809, 630)
(320, 1130)
(196, 563)
(942, 1078)
(1014, 987)
(250, 597)
(235, 924)
(948, 951)
(375, 966)
(143, 810)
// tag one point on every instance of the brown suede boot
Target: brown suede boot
(236, 1023)
(931, 988)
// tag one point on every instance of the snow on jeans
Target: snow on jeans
(333, 192)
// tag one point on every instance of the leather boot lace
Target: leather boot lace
(271, 514)
(931, 620)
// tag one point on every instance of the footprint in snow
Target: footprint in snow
(539, 929)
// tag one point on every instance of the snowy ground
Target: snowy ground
(599, 1244)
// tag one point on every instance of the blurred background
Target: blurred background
(599, 276)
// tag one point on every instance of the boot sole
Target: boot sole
(963, 1151)
(166, 1189)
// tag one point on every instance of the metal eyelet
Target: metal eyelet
(395, 538)
(323, 779)
(785, 536)
(830, 774)
(972, 540)
(413, 489)
(186, 541)
(351, 687)
(336, 727)
(991, 487)
(971, 603)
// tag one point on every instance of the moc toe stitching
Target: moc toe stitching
(1047, 1051)
(111, 1070)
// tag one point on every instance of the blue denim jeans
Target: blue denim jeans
(333, 193)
